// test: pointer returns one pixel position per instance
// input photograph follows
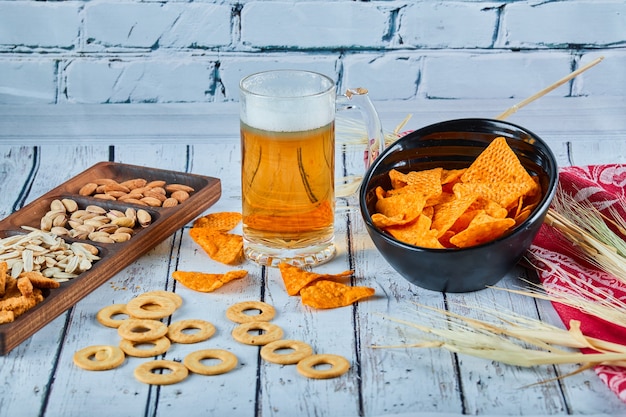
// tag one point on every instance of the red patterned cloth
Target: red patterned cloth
(604, 186)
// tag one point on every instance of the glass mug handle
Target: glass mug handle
(357, 98)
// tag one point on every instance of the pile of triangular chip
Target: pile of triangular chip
(440, 208)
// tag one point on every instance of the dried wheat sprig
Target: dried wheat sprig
(352, 132)
(535, 332)
(590, 220)
(617, 220)
(591, 248)
(598, 303)
(497, 342)
(348, 185)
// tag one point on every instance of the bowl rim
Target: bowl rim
(537, 213)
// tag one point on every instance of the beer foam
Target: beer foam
(288, 114)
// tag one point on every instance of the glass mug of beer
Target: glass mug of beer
(288, 168)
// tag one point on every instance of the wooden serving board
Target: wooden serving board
(114, 256)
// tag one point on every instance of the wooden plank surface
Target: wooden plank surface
(39, 378)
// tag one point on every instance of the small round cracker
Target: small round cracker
(99, 357)
(160, 307)
(140, 330)
(105, 316)
(159, 346)
(236, 312)
(145, 372)
(299, 351)
(193, 361)
(269, 333)
(177, 299)
(175, 331)
(338, 366)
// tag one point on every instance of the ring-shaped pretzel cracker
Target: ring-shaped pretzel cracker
(237, 312)
(268, 333)
(140, 330)
(145, 372)
(159, 346)
(99, 357)
(177, 299)
(193, 361)
(338, 366)
(106, 316)
(176, 331)
(151, 307)
(299, 351)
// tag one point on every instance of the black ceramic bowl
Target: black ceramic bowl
(456, 144)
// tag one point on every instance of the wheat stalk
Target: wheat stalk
(352, 132)
(586, 228)
(597, 302)
(516, 340)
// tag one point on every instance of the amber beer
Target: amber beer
(288, 186)
(287, 176)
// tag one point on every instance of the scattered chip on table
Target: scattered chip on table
(325, 294)
(226, 248)
(295, 278)
(205, 282)
(221, 222)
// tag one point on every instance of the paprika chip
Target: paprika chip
(449, 212)
(404, 207)
(503, 193)
(417, 233)
(428, 182)
(226, 248)
(483, 228)
(451, 176)
(221, 222)
(499, 167)
(457, 208)
(205, 282)
(295, 278)
(325, 294)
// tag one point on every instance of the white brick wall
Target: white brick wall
(116, 51)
